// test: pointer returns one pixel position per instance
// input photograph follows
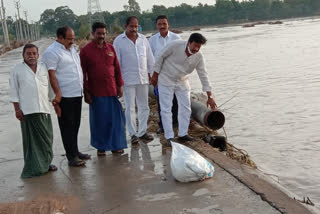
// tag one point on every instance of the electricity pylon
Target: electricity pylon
(94, 11)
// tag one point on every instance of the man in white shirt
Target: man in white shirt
(66, 78)
(157, 43)
(29, 93)
(136, 63)
(172, 68)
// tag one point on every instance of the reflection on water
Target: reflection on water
(274, 72)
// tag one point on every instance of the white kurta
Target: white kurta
(31, 90)
(136, 61)
(174, 68)
(157, 42)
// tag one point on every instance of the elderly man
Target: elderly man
(157, 43)
(102, 88)
(66, 78)
(29, 93)
(172, 68)
(136, 62)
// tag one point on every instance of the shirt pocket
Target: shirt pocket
(43, 79)
(109, 57)
(141, 49)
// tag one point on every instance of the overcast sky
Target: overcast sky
(79, 7)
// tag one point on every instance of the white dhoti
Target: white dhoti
(136, 94)
(184, 109)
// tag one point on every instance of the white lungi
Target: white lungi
(184, 109)
(136, 94)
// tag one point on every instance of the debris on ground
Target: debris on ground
(43, 205)
(199, 133)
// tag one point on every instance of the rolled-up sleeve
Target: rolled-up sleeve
(14, 87)
(203, 75)
(51, 60)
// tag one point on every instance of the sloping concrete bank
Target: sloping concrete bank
(269, 191)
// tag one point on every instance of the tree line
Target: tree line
(223, 12)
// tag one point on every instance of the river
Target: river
(272, 74)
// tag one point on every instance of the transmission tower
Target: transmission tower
(94, 11)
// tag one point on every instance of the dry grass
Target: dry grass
(43, 205)
(198, 132)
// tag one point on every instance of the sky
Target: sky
(79, 7)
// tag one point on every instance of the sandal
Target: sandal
(118, 151)
(101, 152)
(76, 162)
(84, 156)
(52, 168)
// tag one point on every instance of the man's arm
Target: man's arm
(51, 61)
(118, 75)
(150, 59)
(84, 66)
(206, 86)
(166, 52)
(57, 91)
(14, 95)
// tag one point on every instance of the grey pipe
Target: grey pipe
(213, 119)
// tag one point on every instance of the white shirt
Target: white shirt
(136, 59)
(157, 42)
(174, 66)
(31, 90)
(67, 65)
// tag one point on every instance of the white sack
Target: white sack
(187, 165)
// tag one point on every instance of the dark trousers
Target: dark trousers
(69, 124)
(174, 111)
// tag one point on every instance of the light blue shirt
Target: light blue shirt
(68, 69)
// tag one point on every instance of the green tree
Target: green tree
(84, 31)
(64, 16)
(133, 6)
(48, 22)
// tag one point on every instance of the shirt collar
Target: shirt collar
(124, 35)
(96, 45)
(59, 45)
(167, 36)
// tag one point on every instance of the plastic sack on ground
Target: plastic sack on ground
(187, 165)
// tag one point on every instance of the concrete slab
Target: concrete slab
(139, 181)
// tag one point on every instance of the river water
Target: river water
(273, 73)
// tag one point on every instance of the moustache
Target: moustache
(31, 58)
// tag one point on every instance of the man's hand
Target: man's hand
(211, 103)
(119, 91)
(154, 79)
(57, 99)
(87, 97)
(19, 115)
(57, 109)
